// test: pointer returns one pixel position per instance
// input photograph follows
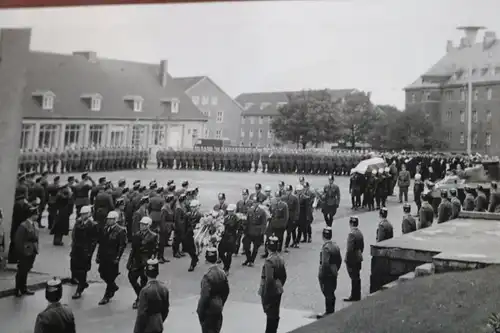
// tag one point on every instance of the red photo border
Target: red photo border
(72, 3)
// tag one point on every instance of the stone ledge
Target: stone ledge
(479, 216)
(424, 270)
(389, 285)
(401, 253)
(407, 277)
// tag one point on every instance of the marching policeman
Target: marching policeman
(330, 261)
(26, 243)
(409, 224)
(229, 236)
(278, 220)
(166, 226)
(112, 243)
(84, 241)
(426, 212)
(384, 230)
(213, 296)
(445, 209)
(331, 200)
(271, 285)
(144, 247)
(456, 205)
(242, 207)
(354, 258)
(56, 317)
(192, 219)
(154, 302)
(255, 226)
(293, 216)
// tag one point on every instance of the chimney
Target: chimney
(470, 34)
(449, 46)
(489, 39)
(163, 73)
(89, 55)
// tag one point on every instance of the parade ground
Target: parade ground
(243, 312)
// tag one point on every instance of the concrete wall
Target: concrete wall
(14, 52)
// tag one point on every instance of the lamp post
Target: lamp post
(470, 35)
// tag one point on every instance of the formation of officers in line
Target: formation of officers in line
(108, 217)
(83, 159)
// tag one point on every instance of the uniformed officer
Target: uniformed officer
(445, 209)
(192, 218)
(468, 204)
(331, 200)
(84, 241)
(409, 224)
(278, 221)
(213, 295)
(273, 280)
(154, 302)
(384, 230)
(144, 247)
(227, 245)
(255, 226)
(112, 244)
(354, 258)
(56, 318)
(456, 205)
(481, 202)
(221, 206)
(166, 226)
(330, 261)
(293, 216)
(426, 212)
(26, 243)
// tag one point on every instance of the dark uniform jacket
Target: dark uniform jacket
(231, 227)
(144, 247)
(331, 196)
(256, 222)
(293, 207)
(56, 318)
(214, 293)
(456, 207)
(39, 192)
(103, 204)
(82, 190)
(426, 215)
(273, 277)
(445, 210)
(180, 219)
(404, 179)
(52, 190)
(481, 203)
(136, 218)
(330, 261)
(112, 244)
(84, 241)
(384, 230)
(167, 214)
(26, 239)
(259, 197)
(409, 224)
(469, 203)
(242, 206)
(219, 207)
(279, 215)
(494, 202)
(154, 207)
(153, 308)
(355, 247)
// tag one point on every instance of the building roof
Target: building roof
(187, 82)
(452, 68)
(275, 98)
(72, 78)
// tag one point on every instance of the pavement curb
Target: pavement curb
(36, 286)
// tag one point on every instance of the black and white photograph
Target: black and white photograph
(250, 166)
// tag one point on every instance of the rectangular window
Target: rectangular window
(214, 100)
(448, 115)
(474, 138)
(242, 133)
(196, 100)
(48, 102)
(252, 120)
(449, 95)
(243, 120)
(476, 94)
(489, 94)
(158, 135)
(260, 133)
(448, 136)
(72, 135)
(205, 100)
(137, 106)
(47, 138)
(95, 104)
(95, 135)
(248, 105)
(462, 116)
(462, 94)
(118, 135)
(269, 134)
(194, 133)
(250, 134)
(462, 138)
(413, 98)
(474, 116)
(218, 134)
(220, 117)
(27, 136)
(488, 116)
(488, 139)
(261, 120)
(138, 135)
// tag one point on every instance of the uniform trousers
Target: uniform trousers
(52, 210)
(24, 265)
(302, 229)
(211, 323)
(291, 233)
(137, 278)
(354, 270)
(271, 306)
(328, 286)
(79, 271)
(165, 231)
(226, 250)
(328, 214)
(256, 241)
(188, 246)
(403, 192)
(108, 272)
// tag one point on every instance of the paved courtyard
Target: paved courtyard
(302, 296)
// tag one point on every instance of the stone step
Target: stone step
(407, 277)
(389, 285)
(425, 270)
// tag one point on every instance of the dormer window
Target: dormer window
(135, 102)
(281, 104)
(94, 101)
(248, 105)
(46, 99)
(264, 105)
(171, 104)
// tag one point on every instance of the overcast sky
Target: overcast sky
(374, 45)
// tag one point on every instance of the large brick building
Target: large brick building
(222, 111)
(82, 99)
(441, 93)
(260, 109)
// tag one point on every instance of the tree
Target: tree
(358, 118)
(379, 136)
(309, 117)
